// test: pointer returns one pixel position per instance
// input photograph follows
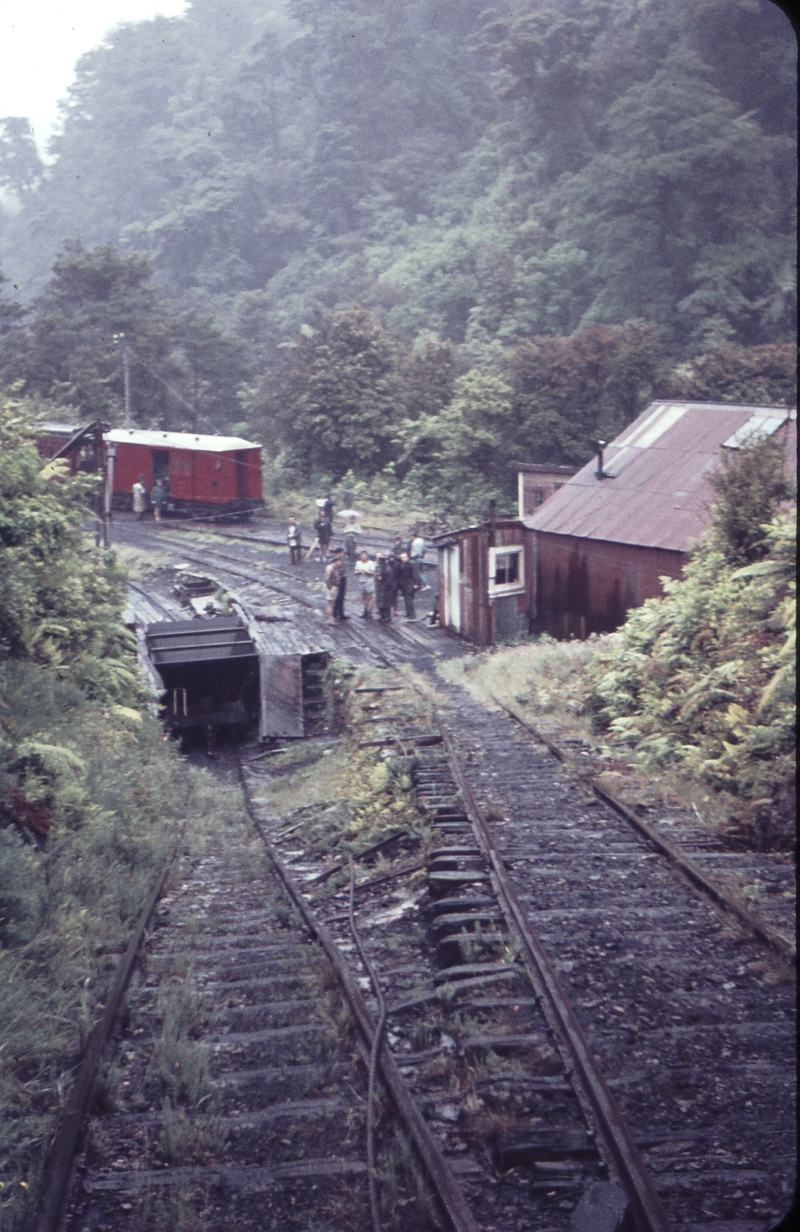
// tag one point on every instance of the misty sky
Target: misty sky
(40, 42)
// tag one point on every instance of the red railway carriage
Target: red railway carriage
(51, 437)
(204, 474)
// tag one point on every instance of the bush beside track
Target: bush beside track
(90, 798)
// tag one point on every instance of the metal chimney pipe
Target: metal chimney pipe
(599, 447)
(492, 521)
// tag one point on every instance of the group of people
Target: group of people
(381, 580)
(157, 498)
(323, 534)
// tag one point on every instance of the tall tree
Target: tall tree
(570, 391)
(102, 312)
(20, 166)
(334, 405)
(458, 459)
(97, 304)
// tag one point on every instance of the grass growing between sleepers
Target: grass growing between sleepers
(95, 798)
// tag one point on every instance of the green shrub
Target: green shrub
(705, 678)
(117, 795)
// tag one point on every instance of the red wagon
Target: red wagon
(202, 474)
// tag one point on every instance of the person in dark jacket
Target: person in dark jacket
(394, 566)
(159, 498)
(323, 531)
(407, 583)
(338, 605)
(384, 588)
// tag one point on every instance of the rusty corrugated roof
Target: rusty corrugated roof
(655, 492)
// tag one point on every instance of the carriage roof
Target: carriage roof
(178, 440)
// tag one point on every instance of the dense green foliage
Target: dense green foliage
(115, 797)
(408, 242)
(483, 175)
(99, 305)
(59, 600)
(705, 678)
(90, 798)
(348, 402)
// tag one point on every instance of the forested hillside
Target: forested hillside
(487, 181)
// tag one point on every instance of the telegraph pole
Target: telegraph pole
(108, 491)
(120, 339)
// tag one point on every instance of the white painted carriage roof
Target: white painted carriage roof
(178, 440)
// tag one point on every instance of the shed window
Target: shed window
(537, 497)
(505, 570)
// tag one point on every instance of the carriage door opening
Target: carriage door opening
(241, 474)
(159, 461)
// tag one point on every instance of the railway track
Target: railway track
(466, 1026)
(689, 1014)
(237, 1095)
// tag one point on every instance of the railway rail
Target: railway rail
(238, 1096)
(695, 1022)
(543, 968)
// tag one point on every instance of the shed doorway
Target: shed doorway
(452, 588)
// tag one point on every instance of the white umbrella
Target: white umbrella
(348, 513)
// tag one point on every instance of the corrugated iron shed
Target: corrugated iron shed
(655, 491)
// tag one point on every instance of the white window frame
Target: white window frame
(507, 588)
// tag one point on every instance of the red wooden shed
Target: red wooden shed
(484, 580)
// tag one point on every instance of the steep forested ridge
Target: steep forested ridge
(484, 178)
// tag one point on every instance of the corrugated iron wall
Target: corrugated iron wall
(587, 586)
